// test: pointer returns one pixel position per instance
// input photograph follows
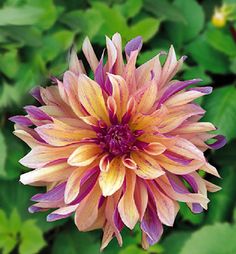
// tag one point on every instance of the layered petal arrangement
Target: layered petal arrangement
(121, 148)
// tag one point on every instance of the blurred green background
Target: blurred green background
(35, 37)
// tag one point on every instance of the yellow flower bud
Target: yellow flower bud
(218, 19)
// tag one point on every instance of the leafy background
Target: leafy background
(35, 37)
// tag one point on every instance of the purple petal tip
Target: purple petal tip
(134, 44)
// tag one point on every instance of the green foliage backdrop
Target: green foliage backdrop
(35, 37)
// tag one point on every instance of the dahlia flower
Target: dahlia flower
(121, 148)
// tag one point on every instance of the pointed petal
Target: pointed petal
(167, 208)
(84, 155)
(90, 54)
(113, 179)
(87, 210)
(147, 167)
(127, 207)
(91, 97)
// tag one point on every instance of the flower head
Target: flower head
(119, 149)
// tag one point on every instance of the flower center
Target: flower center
(117, 139)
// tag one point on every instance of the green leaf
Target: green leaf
(174, 242)
(25, 15)
(130, 8)
(87, 22)
(31, 238)
(49, 12)
(222, 41)
(194, 16)
(189, 216)
(132, 249)
(14, 222)
(9, 63)
(146, 27)
(7, 243)
(209, 58)
(30, 36)
(3, 154)
(19, 196)
(217, 239)
(71, 241)
(108, 28)
(197, 72)
(222, 203)
(147, 55)
(164, 10)
(221, 110)
(56, 43)
(225, 156)
(3, 222)
(233, 65)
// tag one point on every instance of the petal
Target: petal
(120, 93)
(147, 167)
(177, 116)
(73, 185)
(154, 148)
(70, 82)
(61, 135)
(187, 149)
(127, 207)
(112, 53)
(119, 64)
(165, 185)
(141, 197)
(54, 172)
(194, 128)
(104, 163)
(143, 72)
(178, 168)
(167, 208)
(41, 155)
(183, 98)
(152, 226)
(91, 97)
(148, 98)
(170, 67)
(84, 155)
(113, 179)
(74, 64)
(133, 45)
(90, 54)
(87, 210)
(61, 213)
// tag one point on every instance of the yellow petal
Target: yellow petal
(113, 179)
(154, 148)
(73, 185)
(84, 155)
(51, 173)
(148, 98)
(120, 93)
(91, 97)
(127, 207)
(147, 167)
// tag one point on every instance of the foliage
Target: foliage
(15, 233)
(35, 37)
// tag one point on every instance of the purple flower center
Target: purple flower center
(117, 139)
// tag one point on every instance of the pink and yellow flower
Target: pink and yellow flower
(122, 148)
